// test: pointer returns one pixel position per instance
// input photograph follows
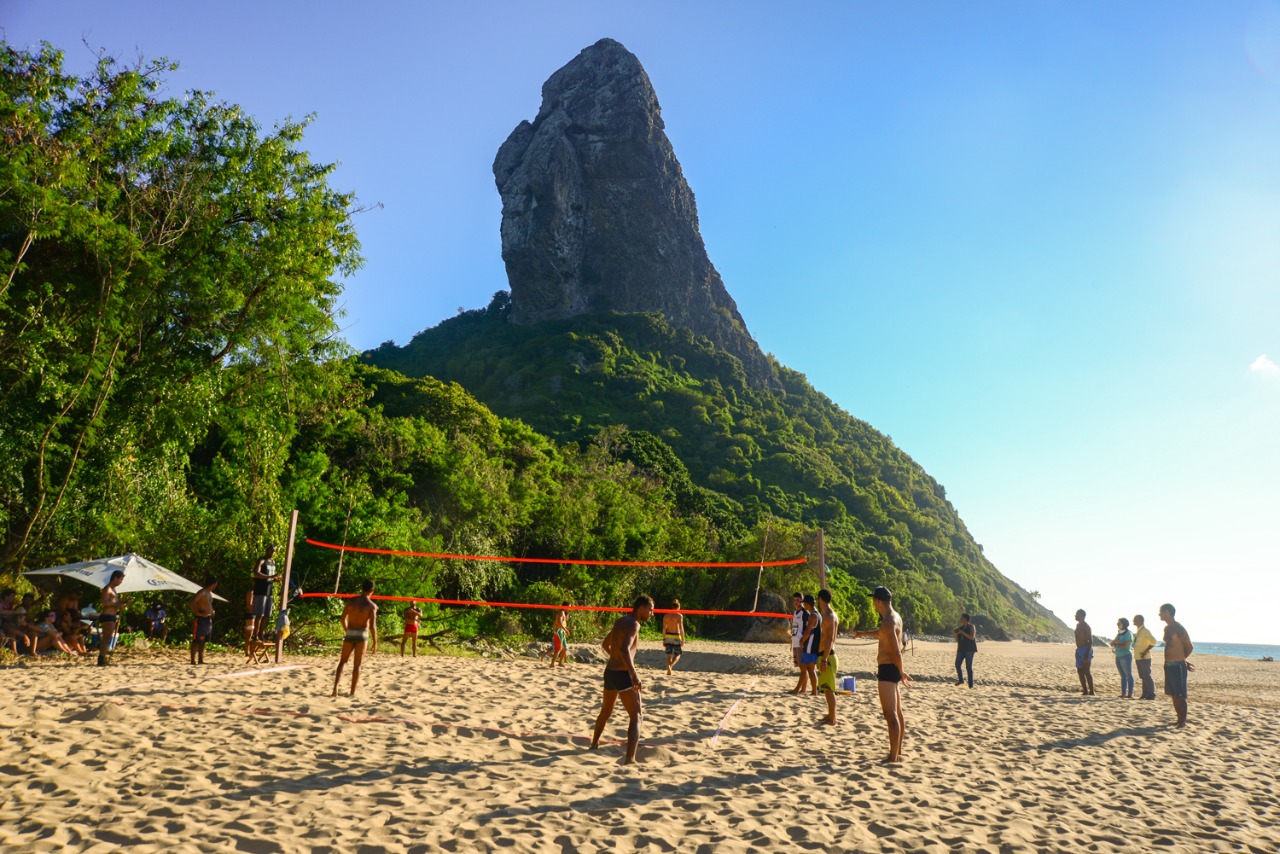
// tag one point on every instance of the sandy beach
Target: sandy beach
(466, 754)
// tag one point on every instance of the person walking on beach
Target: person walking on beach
(890, 669)
(1084, 654)
(1143, 643)
(966, 645)
(1177, 646)
(202, 610)
(264, 576)
(360, 626)
(412, 615)
(673, 635)
(109, 618)
(1123, 645)
(810, 640)
(620, 677)
(828, 664)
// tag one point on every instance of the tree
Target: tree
(168, 286)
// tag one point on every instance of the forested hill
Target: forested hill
(678, 408)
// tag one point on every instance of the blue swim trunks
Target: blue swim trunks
(1175, 679)
(1083, 654)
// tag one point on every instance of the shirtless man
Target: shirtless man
(202, 610)
(412, 615)
(828, 664)
(673, 635)
(1177, 646)
(890, 670)
(560, 636)
(110, 616)
(620, 677)
(360, 624)
(1084, 654)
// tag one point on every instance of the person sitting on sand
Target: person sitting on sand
(72, 631)
(620, 676)
(202, 610)
(810, 644)
(1177, 646)
(155, 622)
(412, 615)
(673, 635)
(48, 638)
(360, 626)
(1084, 654)
(890, 669)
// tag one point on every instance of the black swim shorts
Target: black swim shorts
(617, 680)
(888, 673)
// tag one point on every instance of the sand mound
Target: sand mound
(101, 712)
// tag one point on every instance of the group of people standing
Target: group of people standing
(1136, 645)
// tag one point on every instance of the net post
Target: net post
(284, 587)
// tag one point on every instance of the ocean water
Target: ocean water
(1253, 651)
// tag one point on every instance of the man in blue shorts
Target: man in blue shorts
(1084, 654)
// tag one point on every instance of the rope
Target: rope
(448, 556)
(545, 607)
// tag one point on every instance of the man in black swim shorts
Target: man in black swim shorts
(889, 668)
(620, 677)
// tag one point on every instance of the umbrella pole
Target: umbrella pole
(284, 588)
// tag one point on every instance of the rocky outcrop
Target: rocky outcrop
(597, 215)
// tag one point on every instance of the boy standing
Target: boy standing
(673, 635)
(890, 670)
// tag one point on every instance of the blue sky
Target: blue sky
(1038, 244)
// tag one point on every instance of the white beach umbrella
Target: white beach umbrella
(140, 574)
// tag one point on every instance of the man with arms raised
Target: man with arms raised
(1084, 653)
(620, 677)
(890, 671)
(360, 625)
(1177, 646)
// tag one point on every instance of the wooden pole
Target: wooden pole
(822, 561)
(284, 586)
(764, 544)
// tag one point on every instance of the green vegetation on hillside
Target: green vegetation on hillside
(684, 413)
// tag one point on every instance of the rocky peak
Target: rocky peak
(597, 215)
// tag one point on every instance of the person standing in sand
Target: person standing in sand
(1123, 645)
(360, 626)
(412, 615)
(966, 645)
(264, 576)
(890, 670)
(1084, 654)
(828, 664)
(109, 619)
(1143, 643)
(560, 636)
(673, 635)
(1177, 646)
(620, 677)
(797, 631)
(202, 610)
(810, 637)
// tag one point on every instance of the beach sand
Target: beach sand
(465, 754)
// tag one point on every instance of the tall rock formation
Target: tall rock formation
(596, 213)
